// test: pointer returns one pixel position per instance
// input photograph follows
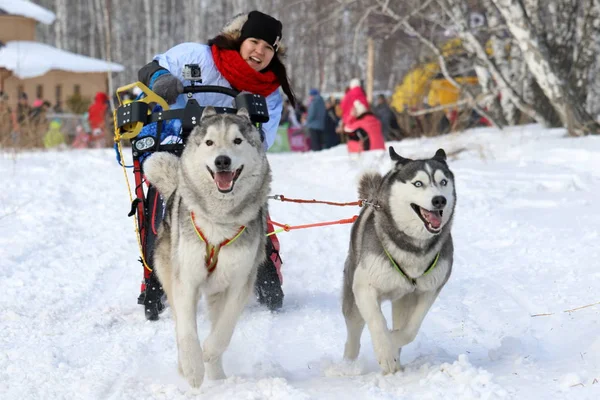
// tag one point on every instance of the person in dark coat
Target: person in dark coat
(315, 120)
(331, 122)
(389, 124)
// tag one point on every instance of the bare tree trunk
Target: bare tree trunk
(156, 11)
(79, 24)
(60, 25)
(572, 115)
(148, 32)
(99, 14)
(370, 66)
(479, 51)
(106, 8)
(92, 29)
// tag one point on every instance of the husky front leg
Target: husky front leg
(408, 313)
(231, 306)
(214, 305)
(370, 308)
(185, 303)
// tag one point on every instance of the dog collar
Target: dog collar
(212, 251)
(412, 280)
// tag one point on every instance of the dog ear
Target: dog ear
(242, 112)
(440, 155)
(207, 112)
(398, 159)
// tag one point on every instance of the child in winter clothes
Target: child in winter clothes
(97, 113)
(247, 56)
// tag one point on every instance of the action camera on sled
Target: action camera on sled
(192, 73)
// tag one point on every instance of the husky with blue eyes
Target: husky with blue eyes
(400, 250)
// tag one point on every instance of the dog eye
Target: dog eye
(443, 182)
(209, 142)
(418, 183)
(237, 141)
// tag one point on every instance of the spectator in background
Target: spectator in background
(82, 138)
(289, 115)
(23, 109)
(285, 112)
(7, 120)
(315, 120)
(387, 117)
(331, 121)
(54, 138)
(363, 130)
(338, 107)
(97, 114)
(38, 111)
(301, 111)
(21, 118)
(353, 94)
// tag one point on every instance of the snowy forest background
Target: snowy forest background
(536, 58)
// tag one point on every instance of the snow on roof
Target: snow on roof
(30, 59)
(27, 9)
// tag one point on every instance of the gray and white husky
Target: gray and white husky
(212, 238)
(400, 250)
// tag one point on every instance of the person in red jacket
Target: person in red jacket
(97, 119)
(353, 94)
(363, 130)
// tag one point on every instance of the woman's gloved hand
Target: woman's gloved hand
(168, 87)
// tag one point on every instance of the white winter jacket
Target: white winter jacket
(195, 53)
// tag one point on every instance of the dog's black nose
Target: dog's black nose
(439, 202)
(223, 163)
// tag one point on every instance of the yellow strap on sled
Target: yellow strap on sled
(131, 130)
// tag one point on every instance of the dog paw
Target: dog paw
(388, 364)
(213, 347)
(190, 362)
(351, 351)
(214, 369)
(386, 356)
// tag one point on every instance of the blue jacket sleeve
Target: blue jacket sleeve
(275, 105)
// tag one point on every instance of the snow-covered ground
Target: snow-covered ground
(526, 237)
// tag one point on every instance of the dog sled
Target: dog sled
(151, 126)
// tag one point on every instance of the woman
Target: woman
(247, 56)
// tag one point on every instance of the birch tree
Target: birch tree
(60, 26)
(556, 87)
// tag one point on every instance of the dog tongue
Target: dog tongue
(224, 180)
(433, 218)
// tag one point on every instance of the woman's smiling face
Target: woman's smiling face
(257, 53)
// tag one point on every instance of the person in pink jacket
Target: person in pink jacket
(363, 129)
(354, 93)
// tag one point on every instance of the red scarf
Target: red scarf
(241, 76)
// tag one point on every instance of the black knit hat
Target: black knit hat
(262, 26)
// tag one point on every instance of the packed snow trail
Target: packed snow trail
(526, 242)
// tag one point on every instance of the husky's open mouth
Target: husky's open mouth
(225, 179)
(431, 219)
